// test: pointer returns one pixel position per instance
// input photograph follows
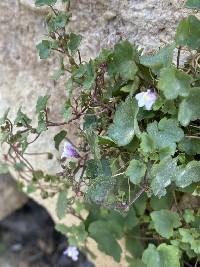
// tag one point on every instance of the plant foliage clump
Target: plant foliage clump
(139, 144)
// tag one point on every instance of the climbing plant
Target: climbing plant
(137, 154)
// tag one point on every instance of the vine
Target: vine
(138, 155)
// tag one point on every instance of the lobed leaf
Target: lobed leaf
(136, 171)
(124, 125)
(193, 4)
(61, 205)
(174, 83)
(165, 221)
(162, 174)
(188, 32)
(189, 109)
(186, 175)
(162, 256)
(163, 58)
(105, 239)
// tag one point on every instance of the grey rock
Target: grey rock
(11, 198)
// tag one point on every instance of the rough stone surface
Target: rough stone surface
(23, 77)
(10, 197)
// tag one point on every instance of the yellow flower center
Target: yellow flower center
(146, 97)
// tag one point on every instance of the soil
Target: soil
(28, 239)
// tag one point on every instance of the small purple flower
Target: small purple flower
(72, 252)
(69, 151)
(146, 99)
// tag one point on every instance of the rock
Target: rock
(11, 198)
(109, 15)
(30, 240)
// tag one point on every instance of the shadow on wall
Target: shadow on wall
(28, 239)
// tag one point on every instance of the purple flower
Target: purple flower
(72, 252)
(69, 151)
(146, 99)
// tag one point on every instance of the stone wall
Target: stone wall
(23, 77)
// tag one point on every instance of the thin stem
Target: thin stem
(36, 154)
(118, 174)
(126, 207)
(34, 139)
(79, 56)
(192, 136)
(58, 50)
(178, 57)
(19, 155)
(177, 206)
(54, 11)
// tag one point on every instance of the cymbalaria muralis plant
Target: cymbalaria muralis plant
(138, 155)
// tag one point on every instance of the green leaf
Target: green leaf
(41, 123)
(44, 49)
(4, 117)
(31, 188)
(162, 203)
(58, 22)
(124, 125)
(4, 168)
(123, 61)
(174, 83)
(76, 234)
(127, 70)
(131, 219)
(162, 256)
(165, 134)
(162, 174)
(188, 32)
(22, 118)
(61, 205)
(61, 71)
(92, 139)
(74, 42)
(105, 239)
(190, 146)
(136, 171)
(186, 175)
(69, 86)
(45, 2)
(147, 143)
(189, 109)
(163, 58)
(59, 137)
(135, 262)
(193, 4)
(192, 237)
(165, 221)
(188, 215)
(19, 166)
(62, 229)
(41, 103)
(100, 190)
(135, 247)
(91, 169)
(90, 121)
